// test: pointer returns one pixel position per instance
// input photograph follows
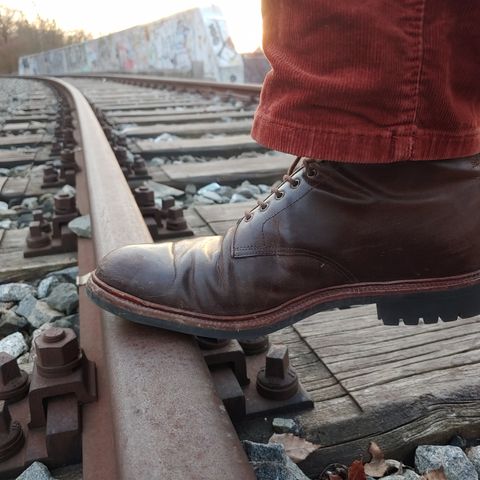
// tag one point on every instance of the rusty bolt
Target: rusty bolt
(64, 203)
(175, 213)
(144, 196)
(68, 135)
(50, 174)
(253, 346)
(13, 381)
(140, 167)
(44, 224)
(277, 381)
(56, 148)
(58, 352)
(121, 140)
(37, 238)
(67, 156)
(121, 154)
(108, 131)
(11, 434)
(175, 219)
(167, 202)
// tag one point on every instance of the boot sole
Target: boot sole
(445, 299)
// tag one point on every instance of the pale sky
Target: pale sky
(100, 17)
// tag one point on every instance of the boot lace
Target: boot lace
(262, 205)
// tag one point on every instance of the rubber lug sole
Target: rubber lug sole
(392, 308)
(430, 307)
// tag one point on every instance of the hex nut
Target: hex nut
(11, 434)
(13, 381)
(64, 203)
(36, 237)
(144, 196)
(58, 352)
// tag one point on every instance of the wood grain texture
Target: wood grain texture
(13, 157)
(14, 187)
(180, 117)
(188, 111)
(192, 130)
(223, 213)
(153, 104)
(255, 169)
(200, 146)
(28, 139)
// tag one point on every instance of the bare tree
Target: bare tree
(8, 22)
(20, 36)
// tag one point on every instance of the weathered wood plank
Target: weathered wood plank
(200, 146)
(223, 213)
(12, 127)
(416, 383)
(28, 139)
(191, 111)
(260, 169)
(34, 188)
(36, 117)
(13, 267)
(184, 117)
(14, 187)
(10, 158)
(154, 104)
(14, 240)
(193, 130)
(398, 431)
(16, 127)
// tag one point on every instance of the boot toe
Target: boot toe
(143, 271)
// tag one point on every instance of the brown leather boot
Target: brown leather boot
(405, 236)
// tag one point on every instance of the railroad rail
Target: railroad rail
(164, 407)
(158, 404)
(157, 408)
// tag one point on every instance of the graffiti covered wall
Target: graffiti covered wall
(195, 43)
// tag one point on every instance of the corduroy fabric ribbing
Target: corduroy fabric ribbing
(375, 81)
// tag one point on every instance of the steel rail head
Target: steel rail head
(168, 421)
(190, 84)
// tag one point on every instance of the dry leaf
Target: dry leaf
(435, 475)
(379, 467)
(356, 471)
(296, 448)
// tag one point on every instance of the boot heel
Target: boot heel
(447, 306)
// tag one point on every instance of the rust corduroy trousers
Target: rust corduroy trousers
(371, 81)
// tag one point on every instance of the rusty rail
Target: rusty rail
(237, 89)
(158, 415)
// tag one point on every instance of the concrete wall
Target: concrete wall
(194, 44)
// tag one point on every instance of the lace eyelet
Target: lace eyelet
(296, 184)
(280, 195)
(247, 219)
(313, 172)
(262, 208)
